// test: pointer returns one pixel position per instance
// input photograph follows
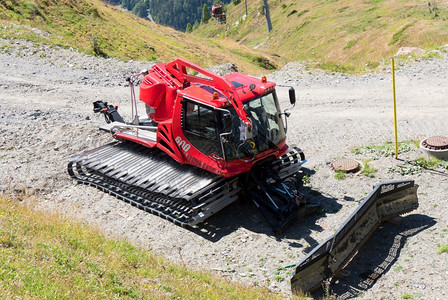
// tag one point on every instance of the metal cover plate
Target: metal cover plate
(346, 165)
(437, 142)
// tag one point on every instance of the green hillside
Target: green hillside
(45, 256)
(348, 33)
(95, 27)
(335, 34)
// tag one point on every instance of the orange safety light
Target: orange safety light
(215, 95)
(263, 79)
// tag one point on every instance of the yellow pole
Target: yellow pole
(395, 109)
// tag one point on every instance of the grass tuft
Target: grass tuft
(442, 248)
(399, 35)
(368, 170)
(350, 44)
(340, 175)
(292, 12)
(384, 150)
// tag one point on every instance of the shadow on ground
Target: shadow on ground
(243, 213)
(377, 256)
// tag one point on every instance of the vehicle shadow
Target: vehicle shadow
(376, 257)
(244, 214)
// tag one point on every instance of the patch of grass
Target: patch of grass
(43, 256)
(302, 25)
(420, 164)
(340, 175)
(291, 13)
(372, 64)
(350, 44)
(399, 35)
(433, 9)
(302, 12)
(407, 296)
(264, 63)
(335, 67)
(442, 248)
(278, 278)
(432, 54)
(412, 170)
(384, 150)
(306, 179)
(342, 9)
(97, 45)
(367, 169)
(430, 163)
(398, 268)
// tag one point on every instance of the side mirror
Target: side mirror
(292, 96)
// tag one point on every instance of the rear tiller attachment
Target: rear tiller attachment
(386, 201)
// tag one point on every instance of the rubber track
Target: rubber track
(150, 180)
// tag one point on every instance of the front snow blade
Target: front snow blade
(386, 201)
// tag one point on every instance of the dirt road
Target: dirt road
(46, 117)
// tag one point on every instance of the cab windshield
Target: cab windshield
(267, 129)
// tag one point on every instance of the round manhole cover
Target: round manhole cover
(436, 143)
(346, 165)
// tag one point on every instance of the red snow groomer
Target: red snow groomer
(206, 140)
(218, 13)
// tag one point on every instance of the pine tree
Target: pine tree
(125, 4)
(140, 10)
(195, 25)
(206, 15)
(189, 28)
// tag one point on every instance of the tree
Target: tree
(195, 25)
(113, 2)
(125, 3)
(189, 28)
(206, 15)
(140, 10)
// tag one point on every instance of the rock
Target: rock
(224, 69)
(410, 50)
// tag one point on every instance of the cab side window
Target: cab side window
(200, 127)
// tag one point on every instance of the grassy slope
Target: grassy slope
(43, 256)
(89, 24)
(351, 33)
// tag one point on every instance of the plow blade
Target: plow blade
(386, 201)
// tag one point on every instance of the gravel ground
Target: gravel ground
(46, 117)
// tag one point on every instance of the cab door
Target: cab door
(201, 127)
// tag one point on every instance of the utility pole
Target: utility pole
(266, 13)
(246, 6)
